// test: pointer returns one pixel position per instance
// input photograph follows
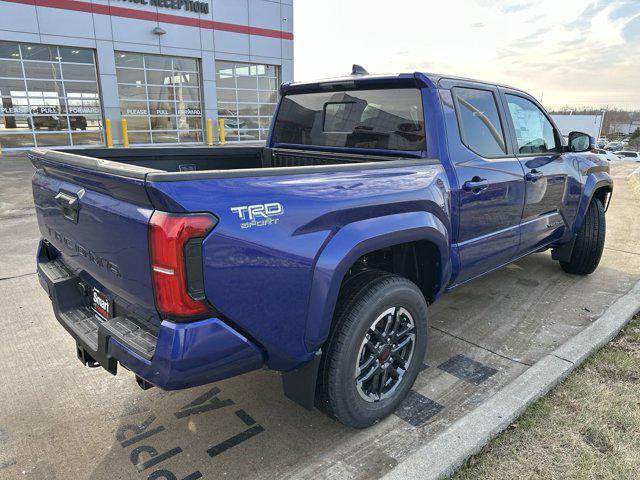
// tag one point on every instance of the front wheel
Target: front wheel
(376, 348)
(589, 243)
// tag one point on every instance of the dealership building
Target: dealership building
(164, 66)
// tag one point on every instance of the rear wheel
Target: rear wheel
(589, 243)
(376, 348)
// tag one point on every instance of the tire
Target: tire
(589, 243)
(380, 298)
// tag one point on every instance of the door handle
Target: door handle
(475, 185)
(533, 176)
(69, 204)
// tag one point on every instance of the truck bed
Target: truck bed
(214, 161)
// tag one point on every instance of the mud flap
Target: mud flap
(562, 253)
(300, 384)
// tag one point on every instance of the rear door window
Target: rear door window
(480, 126)
(389, 119)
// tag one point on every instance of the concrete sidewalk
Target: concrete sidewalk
(450, 449)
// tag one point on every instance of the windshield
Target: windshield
(388, 119)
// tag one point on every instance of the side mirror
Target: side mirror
(581, 142)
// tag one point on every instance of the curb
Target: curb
(451, 448)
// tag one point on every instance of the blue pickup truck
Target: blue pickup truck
(319, 254)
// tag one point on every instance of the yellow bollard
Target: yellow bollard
(209, 132)
(108, 133)
(125, 134)
(222, 139)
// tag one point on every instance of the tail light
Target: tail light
(175, 244)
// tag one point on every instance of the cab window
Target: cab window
(382, 119)
(480, 126)
(534, 132)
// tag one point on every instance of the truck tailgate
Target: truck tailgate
(97, 222)
(100, 237)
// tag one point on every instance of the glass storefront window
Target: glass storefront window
(163, 123)
(12, 87)
(47, 93)
(158, 62)
(17, 140)
(247, 96)
(15, 123)
(44, 70)
(192, 136)
(160, 98)
(9, 50)
(75, 55)
(125, 59)
(46, 53)
(164, 137)
(52, 139)
(11, 68)
(187, 79)
(86, 138)
(186, 64)
(137, 123)
(132, 92)
(79, 72)
(139, 137)
(134, 107)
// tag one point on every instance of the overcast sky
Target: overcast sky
(564, 52)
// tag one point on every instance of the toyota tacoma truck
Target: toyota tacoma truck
(319, 254)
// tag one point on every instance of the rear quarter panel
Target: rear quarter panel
(261, 278)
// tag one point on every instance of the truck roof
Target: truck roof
(424, 79)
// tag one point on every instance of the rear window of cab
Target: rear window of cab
(389, 119)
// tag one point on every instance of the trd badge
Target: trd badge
(259, 215)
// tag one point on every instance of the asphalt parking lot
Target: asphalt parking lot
(61, 420)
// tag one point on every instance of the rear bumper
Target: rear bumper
(172, 356)
(188, 355)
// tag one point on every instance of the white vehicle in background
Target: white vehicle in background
(614, 146)
(605, 154)
(628, 155)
